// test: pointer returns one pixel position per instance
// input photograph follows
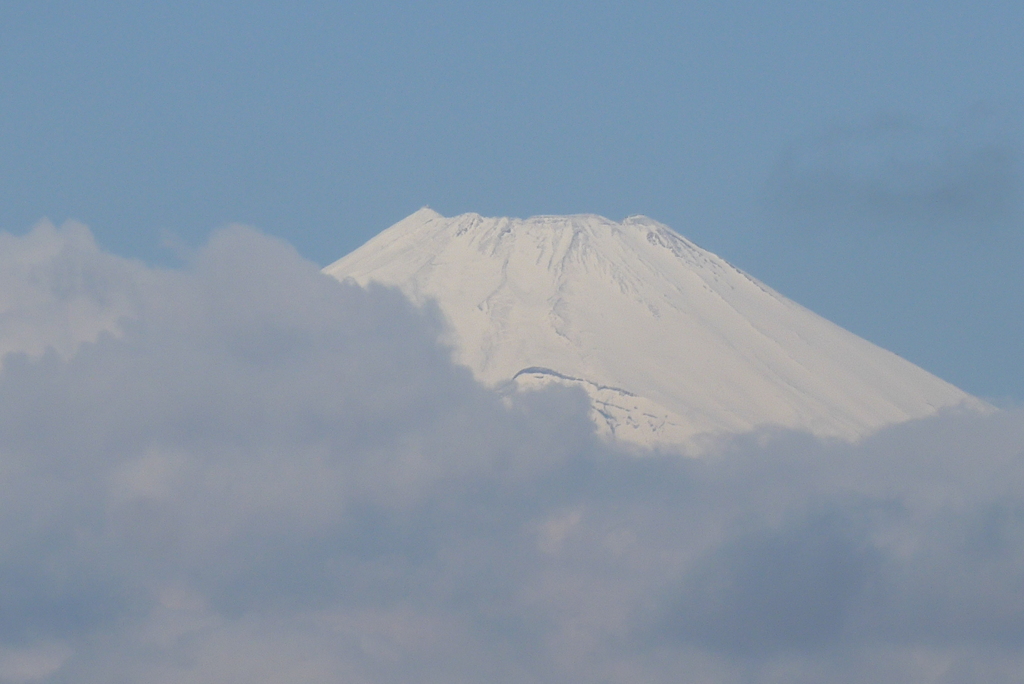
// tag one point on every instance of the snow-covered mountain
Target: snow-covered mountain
(670, 341)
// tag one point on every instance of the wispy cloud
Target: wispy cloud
(901, 174)
(243, 470)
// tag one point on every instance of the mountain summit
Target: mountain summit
(670, 341)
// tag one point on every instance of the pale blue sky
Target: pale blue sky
(863, 158)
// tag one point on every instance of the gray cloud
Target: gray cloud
(896, 173)
(246, 471)
(58, 290)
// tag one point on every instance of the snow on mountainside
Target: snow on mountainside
(669, 340)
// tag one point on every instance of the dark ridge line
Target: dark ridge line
(538, 370)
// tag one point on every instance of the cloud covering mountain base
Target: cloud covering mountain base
(245, 471)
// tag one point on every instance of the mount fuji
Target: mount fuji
(671, 343)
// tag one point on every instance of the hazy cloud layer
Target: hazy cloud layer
(899, 174)
(243, 471)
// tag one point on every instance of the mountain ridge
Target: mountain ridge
(669, 340)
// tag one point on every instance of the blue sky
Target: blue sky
(863, 158)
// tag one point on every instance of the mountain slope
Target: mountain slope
(669, 340)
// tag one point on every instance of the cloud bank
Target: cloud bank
(244, 471)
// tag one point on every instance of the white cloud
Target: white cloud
(57, 289)
(261, 474)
